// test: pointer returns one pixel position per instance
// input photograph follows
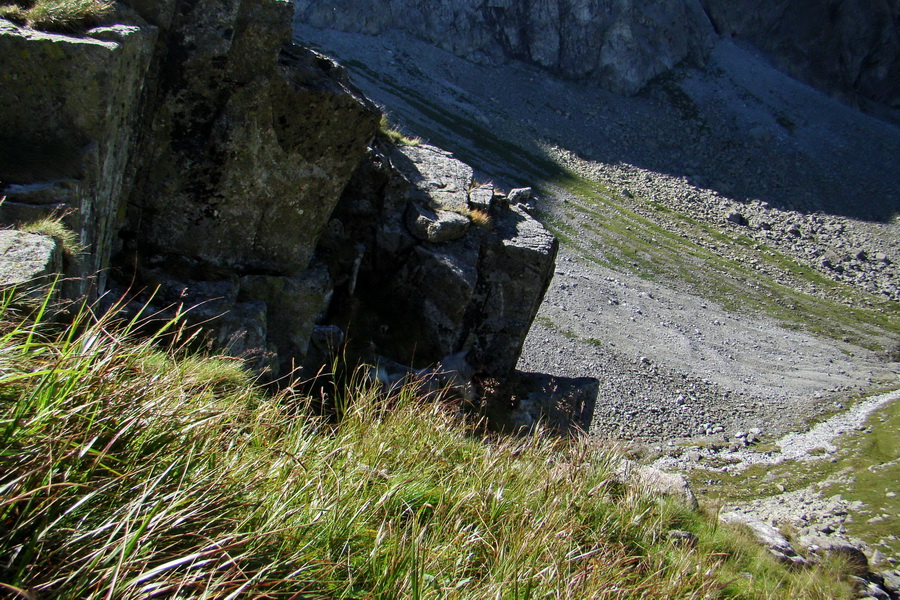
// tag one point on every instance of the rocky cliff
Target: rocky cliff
(850, 48)
(209, 164)
(620, 43)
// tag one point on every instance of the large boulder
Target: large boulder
(216, 177)
(249, 141)
(417, 299)
(246, 145)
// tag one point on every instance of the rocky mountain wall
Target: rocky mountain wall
(620, 43)
(849, 48)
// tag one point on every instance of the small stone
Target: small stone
(682, 538)
(519, 196)
(891, 581)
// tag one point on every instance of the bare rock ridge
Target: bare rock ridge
(205, 159)
(849, 48)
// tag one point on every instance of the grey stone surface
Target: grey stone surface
(517, 265)
(294, 304)
(436, 226)
(28, 259)
(849, 48)
(437, 180)
(768, 536)
(217, 194)
(429, 283)
(658, 482)
(248, 143)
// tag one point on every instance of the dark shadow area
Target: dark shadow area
(28, 161)
(737, 126)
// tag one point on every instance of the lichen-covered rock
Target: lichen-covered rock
(71, 104)
(654, 481)
(233, 167)
(515, 270)
(436, 226)
(620, 43)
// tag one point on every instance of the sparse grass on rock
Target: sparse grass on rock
(127, 471)
(56, 15)
(54, 227)
(395, 135)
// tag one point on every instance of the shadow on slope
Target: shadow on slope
(738, 127)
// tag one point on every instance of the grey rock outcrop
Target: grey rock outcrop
(658, 482)
(768, 536)
(620, 43)
(418, 298)
(248, 144)
(849, 48)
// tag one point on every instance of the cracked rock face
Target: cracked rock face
(68, 132)
(848, 48)
(418, 296)
(225, 167)
(249, 143)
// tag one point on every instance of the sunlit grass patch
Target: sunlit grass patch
(130, 470)
(57, 15)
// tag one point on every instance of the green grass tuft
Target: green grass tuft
(57, 15)
(53, 227)
(395, 135)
